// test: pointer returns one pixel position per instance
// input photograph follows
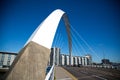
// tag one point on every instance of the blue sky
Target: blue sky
(97, 21)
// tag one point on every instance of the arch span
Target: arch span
(44, 34)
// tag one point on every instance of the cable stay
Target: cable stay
(90, 48)
(75, 48)
(77, 43)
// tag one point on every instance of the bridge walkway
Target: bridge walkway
(62, 74)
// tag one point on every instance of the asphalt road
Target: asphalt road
(88, 73)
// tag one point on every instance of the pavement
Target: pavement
(62, 74)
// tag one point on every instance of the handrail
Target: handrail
(50, 74)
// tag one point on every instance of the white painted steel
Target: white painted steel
(45, 32)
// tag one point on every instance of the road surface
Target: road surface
(88, 73)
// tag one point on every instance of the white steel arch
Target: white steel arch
(45, 32)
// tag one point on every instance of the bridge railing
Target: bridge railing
(50, 74)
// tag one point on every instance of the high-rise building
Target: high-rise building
(55, 56)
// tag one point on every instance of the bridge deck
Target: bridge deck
(62, 74)
(89, 73)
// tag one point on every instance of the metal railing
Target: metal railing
(50, 74)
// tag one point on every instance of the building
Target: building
(86, 61)
(67, 60)
(83, 61)
(75, 60)
(71, 60)
(105, 61)
(51, 59)
(79, 61)
(55, 56)
(89, 58)
(63, 59)
(6, 59)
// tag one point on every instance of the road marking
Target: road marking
(99, 77)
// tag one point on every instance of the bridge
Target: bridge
(32, 60)
(31, 63)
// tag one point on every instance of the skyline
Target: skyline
(97, 22)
